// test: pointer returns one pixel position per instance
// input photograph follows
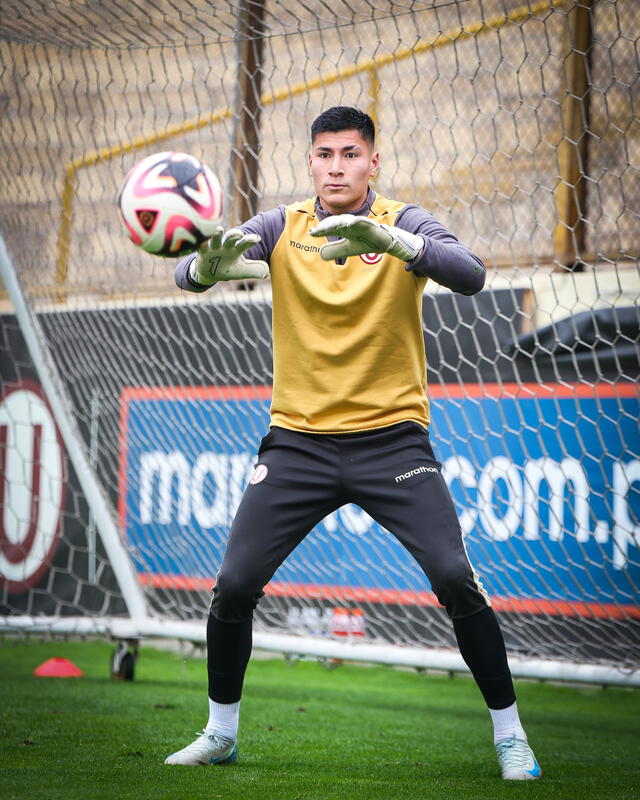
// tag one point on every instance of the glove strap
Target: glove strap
(406, 246)
(193, 272)
(194, 276)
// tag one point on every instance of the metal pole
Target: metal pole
(94, 433)
(571, 191)
(245, 155)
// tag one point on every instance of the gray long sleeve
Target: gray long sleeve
(444, 259)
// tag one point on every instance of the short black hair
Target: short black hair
(344, 118)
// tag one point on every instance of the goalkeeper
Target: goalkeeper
(349, 414)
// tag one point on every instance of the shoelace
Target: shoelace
(209, 739)
(514, 752)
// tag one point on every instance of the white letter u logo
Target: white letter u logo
(32, 486)
(15, 552)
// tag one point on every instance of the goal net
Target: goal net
(131, 412)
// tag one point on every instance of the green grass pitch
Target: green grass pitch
(306, 733)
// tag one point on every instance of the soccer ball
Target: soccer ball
(170, 204)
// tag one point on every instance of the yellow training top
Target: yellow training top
(348, 347)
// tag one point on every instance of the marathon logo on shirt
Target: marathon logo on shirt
(416, 471)
(308, 248)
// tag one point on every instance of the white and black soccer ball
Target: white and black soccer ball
(170, 204)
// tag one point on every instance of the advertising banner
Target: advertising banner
(547, 498)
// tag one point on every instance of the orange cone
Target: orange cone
(58, 668)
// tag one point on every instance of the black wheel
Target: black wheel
(123, 661)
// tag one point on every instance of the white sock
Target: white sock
(506, 723)
(223, 719)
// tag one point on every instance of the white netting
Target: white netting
(514, 123)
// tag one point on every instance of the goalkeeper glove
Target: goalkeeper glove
(221, 259)
(364, 235)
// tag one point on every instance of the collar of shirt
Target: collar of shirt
(363, 211)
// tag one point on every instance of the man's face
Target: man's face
(342, 165)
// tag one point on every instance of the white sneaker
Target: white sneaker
(208, 748)
(516, 760)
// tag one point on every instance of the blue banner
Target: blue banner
(546, 481)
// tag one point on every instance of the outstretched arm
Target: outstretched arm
(417, 238)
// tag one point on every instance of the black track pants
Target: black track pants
(392, 474)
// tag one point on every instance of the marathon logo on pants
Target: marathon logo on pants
(416, 471)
